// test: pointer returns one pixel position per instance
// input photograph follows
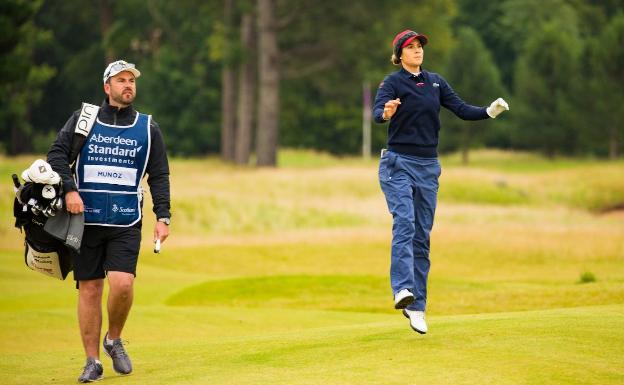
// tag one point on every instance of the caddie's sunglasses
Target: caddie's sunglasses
(118, 67)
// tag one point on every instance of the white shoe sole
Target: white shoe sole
(413, 328)
(404, 302)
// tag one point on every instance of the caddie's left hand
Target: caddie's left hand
(161, 231)
(497, 106)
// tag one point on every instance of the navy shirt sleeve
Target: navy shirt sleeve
(451, 101)
(158, 174)
(58, 155)
(385, 93)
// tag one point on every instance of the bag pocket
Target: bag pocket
(45, 262)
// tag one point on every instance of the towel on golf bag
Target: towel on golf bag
(66, 227)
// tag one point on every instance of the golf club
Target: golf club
(157, 246)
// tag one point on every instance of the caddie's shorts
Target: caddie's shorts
(107, 248)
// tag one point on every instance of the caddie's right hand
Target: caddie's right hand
(390, 108)
(73, 202)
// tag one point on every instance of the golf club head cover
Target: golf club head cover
(41, 172)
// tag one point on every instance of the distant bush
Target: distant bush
(587, 277)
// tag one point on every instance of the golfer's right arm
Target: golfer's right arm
(58, 158)
(386, 102)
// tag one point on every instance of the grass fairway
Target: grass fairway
(280, 277)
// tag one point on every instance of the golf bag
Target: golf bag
(42, 252)
(52, 235)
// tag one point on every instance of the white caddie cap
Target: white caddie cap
(120, 66)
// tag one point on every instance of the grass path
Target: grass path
(280, 277)
(260, 346)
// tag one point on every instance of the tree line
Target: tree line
(241, 78)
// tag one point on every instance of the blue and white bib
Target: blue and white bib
(109, 170)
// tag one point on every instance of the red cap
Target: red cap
(414, 35)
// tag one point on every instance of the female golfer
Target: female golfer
(409, 168)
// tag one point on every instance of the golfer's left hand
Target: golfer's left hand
(161, 231)
(497, 106)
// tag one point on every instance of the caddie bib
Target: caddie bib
(109, 170)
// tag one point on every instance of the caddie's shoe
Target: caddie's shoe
(116, 351)
(403, 298)
(92, 371)
(417, 320)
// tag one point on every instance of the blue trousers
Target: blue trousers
(410, 185)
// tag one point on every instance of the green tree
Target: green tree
(545, 111)
(331, 48)
(606, 115)
(171, 44)
(221, 50)
(474, 76)
(78, 63)
(247, 86)
(268, 87)
(22, 76)
(168, 41)
(325, 52)
(486, 17)
(505, 25)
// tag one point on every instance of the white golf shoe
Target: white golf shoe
(417, 320)
(403, 298)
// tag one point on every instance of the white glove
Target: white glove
(497, 106)
(41, 172)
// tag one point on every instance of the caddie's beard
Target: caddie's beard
(124, 99)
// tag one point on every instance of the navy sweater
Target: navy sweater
(415, 126)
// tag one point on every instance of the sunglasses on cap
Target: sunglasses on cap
(120, 65)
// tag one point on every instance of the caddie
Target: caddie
(117, 147)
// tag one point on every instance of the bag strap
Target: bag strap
(86, 120)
